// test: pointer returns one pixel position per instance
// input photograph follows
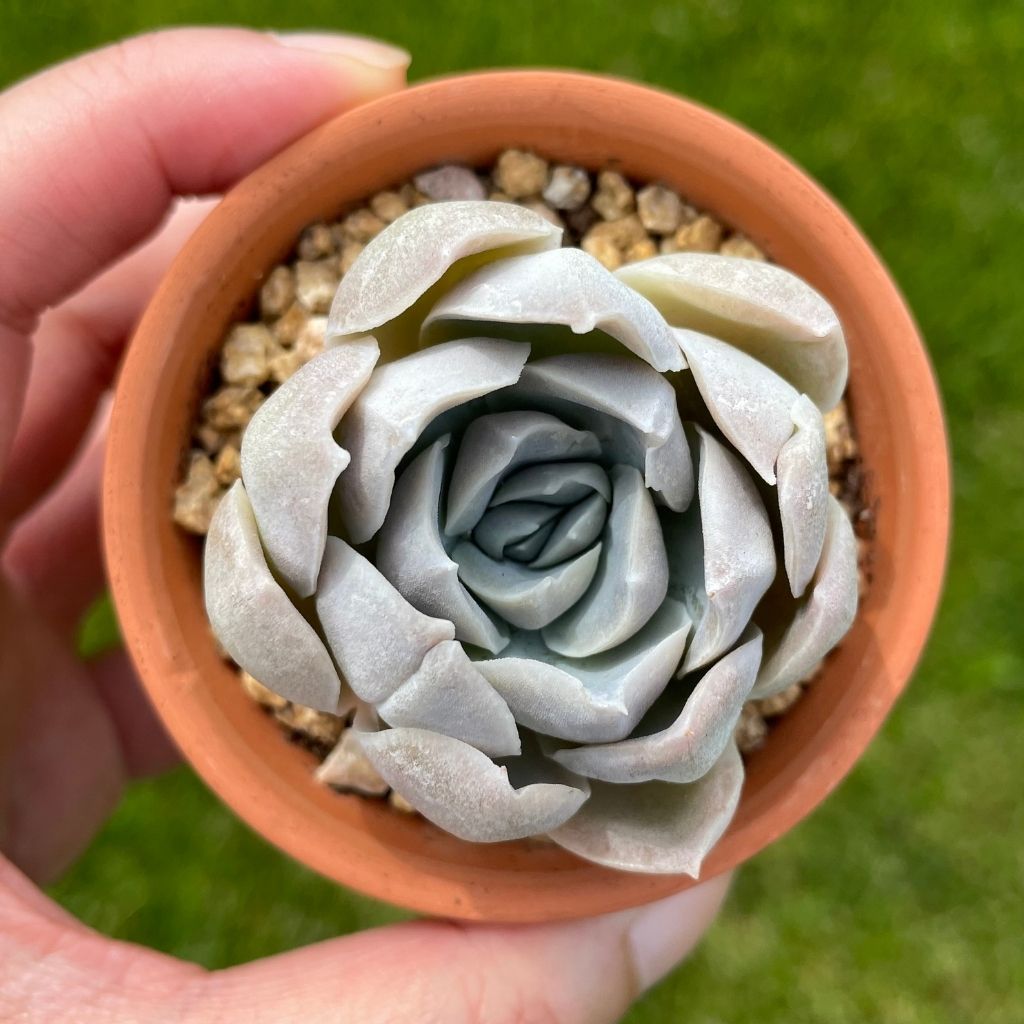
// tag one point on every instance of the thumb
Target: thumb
(577, 972)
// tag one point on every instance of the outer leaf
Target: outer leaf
(566, 287)
(254, 619)
(758, 307)
(803, 494)
(722, 557)
(824, 617)
(632, 409)
(750, 403)
(400, 400)
(656, 826)
(464, 792)
(447, 694)
(412, 555)
(379, 640)
(493, 446)
(590, 700)
(524, 597)
(693, 742)
(413, 253)
(290, 461)
(631, 581)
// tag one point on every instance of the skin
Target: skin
(142, 123)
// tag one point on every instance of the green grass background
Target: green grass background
(901, 899)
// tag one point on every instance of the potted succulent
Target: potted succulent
(544, 527)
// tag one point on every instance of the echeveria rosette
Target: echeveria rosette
(548, 556)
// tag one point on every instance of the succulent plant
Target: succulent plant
(547, 556)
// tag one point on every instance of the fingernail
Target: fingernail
(662, 933)
(374, 67)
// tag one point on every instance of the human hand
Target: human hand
(92, 157)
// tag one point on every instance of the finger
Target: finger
(579, 972)
(146, 749)
(92, 151)
(76, 350)
(586, 971)
(61, 770)
(52, 557)
(52, 968)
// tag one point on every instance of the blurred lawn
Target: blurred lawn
(902, 899)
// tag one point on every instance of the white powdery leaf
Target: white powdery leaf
(657, 827)
(462, 791)
(378, 639)
(578, 528)
(559, 483)
(412, 555)
(290, 461)
(401, 399)
(497, 443)
(566, 287)
(447, 694)
(824, 616)
(630, 407)
(409, 256)
(750, 402)
(758, 307)
(254, 619)
(803, 494)
(524, 597)
(688, 747)
(590, 700)
(722, 556)
(631, 580)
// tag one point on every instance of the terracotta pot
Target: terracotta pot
(155, 568)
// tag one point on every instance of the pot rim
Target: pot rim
(406, 861)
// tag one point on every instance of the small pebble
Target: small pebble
(228, 466)
(310, 341)
(347, 767)
(350, 252)
(315, 285)
(614, 197)
(289, 326)
(399, 803)
(277, 293)
(568, 188)
(210, 439)
(702, 235)
(389, 206)
(660, 209)
(450, 182)
(839, 443)
(520, 174)
(642, 250)
(243, 359)
(260, 693)
(284, 362)
(231, 408)
(318, 726)
(740, 245)
(197, 496)
(603, 249)
(316, 242)
(362, 225)
(779, 703)
(751, 729)
(500, 197)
